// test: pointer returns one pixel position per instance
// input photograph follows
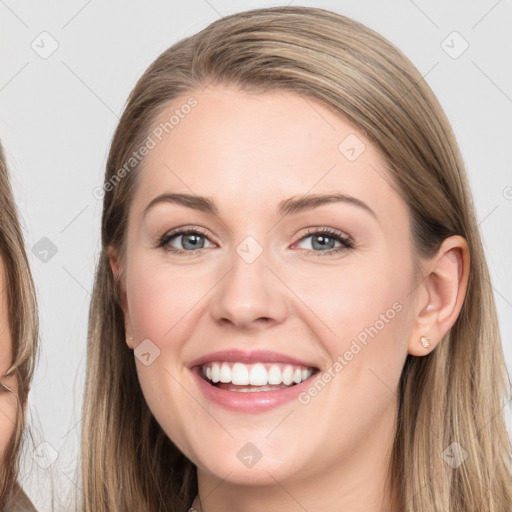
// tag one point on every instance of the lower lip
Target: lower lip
(251, 401)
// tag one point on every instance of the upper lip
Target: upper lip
(250, 356)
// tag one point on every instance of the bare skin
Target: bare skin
(248, 152)
(7, 398)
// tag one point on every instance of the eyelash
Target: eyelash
(346, 242)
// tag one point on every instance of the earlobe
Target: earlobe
(442, 294)
(128, 333)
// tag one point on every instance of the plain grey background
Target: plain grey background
(66, 71)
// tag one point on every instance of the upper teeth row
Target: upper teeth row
(255, 375)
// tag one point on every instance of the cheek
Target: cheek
(355, 301)
(160, 298)
(366, 310)
(163, 304)
(160, 302)
(7, 419)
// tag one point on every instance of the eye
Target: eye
(191, 240)
(326, 241)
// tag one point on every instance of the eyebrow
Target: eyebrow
(288, 206)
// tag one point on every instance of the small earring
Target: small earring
(425, 341)
(429, 307)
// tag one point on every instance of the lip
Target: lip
(249, 402)
(250, 357)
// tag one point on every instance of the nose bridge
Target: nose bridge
(249, 292)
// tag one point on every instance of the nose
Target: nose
(250, 296)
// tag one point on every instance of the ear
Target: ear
(441, 294)
(121, 292)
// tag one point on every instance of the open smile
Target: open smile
(251, 382)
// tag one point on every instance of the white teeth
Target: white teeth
(225, 373)
(274, 375)
(288, 375)
(215, 372)
(240, 374)
(259, 374)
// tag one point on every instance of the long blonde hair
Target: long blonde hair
(455, 394)
(23, 326)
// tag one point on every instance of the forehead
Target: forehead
(254, 149)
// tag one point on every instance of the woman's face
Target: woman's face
(7, 398)
(273, 283)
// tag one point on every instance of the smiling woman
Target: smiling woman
(292, 308)
(18, 345)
